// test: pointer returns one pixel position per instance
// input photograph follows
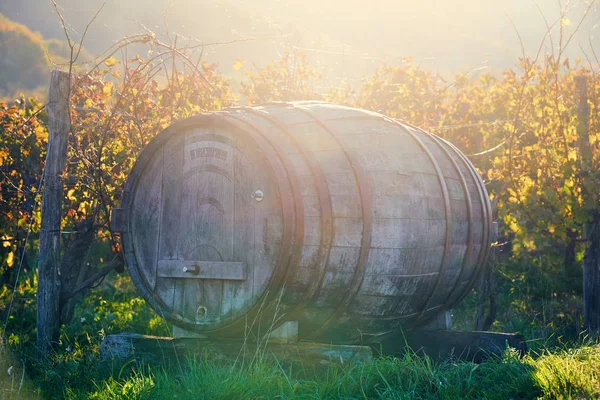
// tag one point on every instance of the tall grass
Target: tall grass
(564, 374)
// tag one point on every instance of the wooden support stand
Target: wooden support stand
(153, 349)
(470, 346)
(447, 344)
(286, 333)
(283, 345)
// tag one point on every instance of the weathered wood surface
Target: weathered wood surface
(48, 292)
(447, 344)
(286, 333)
(349, 222)
(153, 349)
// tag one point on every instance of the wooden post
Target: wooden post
(591, 260)
(48, 293)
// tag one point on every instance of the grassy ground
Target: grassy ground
(14, 381)
(564, 374)
(545, 310)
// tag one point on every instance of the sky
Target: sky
(347, 37)
(450, 30)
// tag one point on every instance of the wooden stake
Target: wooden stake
(591, 260)
(48, 293)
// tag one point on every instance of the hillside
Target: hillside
(204, 22)
(22, 59)
(25, 59)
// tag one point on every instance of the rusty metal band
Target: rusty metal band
(448, 211)
(298, 238)
(287, 104)
(487, 220)
(463, 183)
(366, 201)
(324, 203)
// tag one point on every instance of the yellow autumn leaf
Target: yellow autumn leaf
(529, 244)
(70, 195)
(10, 259)
(111, 62)
(41, 133)
(107, 89)
(238, 65)
(82, 208)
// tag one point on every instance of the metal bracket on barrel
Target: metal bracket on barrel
(190, 269)
(119, 220)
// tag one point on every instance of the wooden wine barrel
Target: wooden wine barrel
(342, 219)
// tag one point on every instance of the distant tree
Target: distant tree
(23, 59)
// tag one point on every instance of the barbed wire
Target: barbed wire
(473, 124)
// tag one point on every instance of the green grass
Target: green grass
(544, 308)
(572, 373)
(566, 371)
